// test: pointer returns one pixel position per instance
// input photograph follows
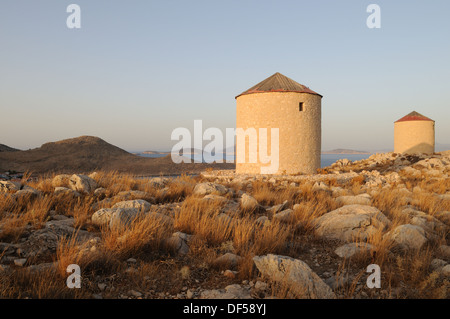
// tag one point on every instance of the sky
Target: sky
(136, 70)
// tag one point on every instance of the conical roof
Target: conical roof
(278, 83)
(414, 116)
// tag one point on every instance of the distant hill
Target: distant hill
(87, 153)
(344, 151)
(154, 153)
(6, 148)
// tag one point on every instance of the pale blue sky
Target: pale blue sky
(136, 70)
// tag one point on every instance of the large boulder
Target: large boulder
(408, 237)
(351, 222)
(114, 217)
(61, 180)
(294, 273)
(210, 188)
(43, 242)
(82, 183)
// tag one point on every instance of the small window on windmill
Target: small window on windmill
(300, 107)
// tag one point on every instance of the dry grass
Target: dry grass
(214, 234)
(143, 234)
(269, 195)
(46, 284)
(16, 214)
(203, 219)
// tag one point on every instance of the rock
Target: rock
(407, 236)
(123, 217)
(437, 264)
(261, 286)
(338, 191)
(228, 260)
(427, 222)
(44, 242)
(159, 182)
(230, 292)
(294, 273)
(320, 186)
(215, 198)
(27, 192)
(177, 244)
(444, 216)
(61, 180)
(353, 200)
(189, 294)
(102, 217)
(263, 221)
(445, 251)
(82, 183)
(135, 293)
(278, 208)
(65, 190)
(100, 191)
(20, 262)
(203, 189)
(248, 203)
(446, 270)
(351, 222)
(114, 217)
(238, 291)
(139, 204)
(102, 286)
(7, 186)
(349, 250)
(285, 216)
(230, 274)
(130, 195)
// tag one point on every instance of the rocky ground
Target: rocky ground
(222, 235)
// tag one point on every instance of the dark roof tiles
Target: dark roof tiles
(278, 83)
(414, 116)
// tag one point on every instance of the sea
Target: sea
(326, 159)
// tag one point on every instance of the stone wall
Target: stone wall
(414, 137)
(299, 131)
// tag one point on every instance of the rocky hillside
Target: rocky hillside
(87, 154)
(5, 148)
(222, 235)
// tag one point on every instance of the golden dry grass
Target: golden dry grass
(214, 233)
